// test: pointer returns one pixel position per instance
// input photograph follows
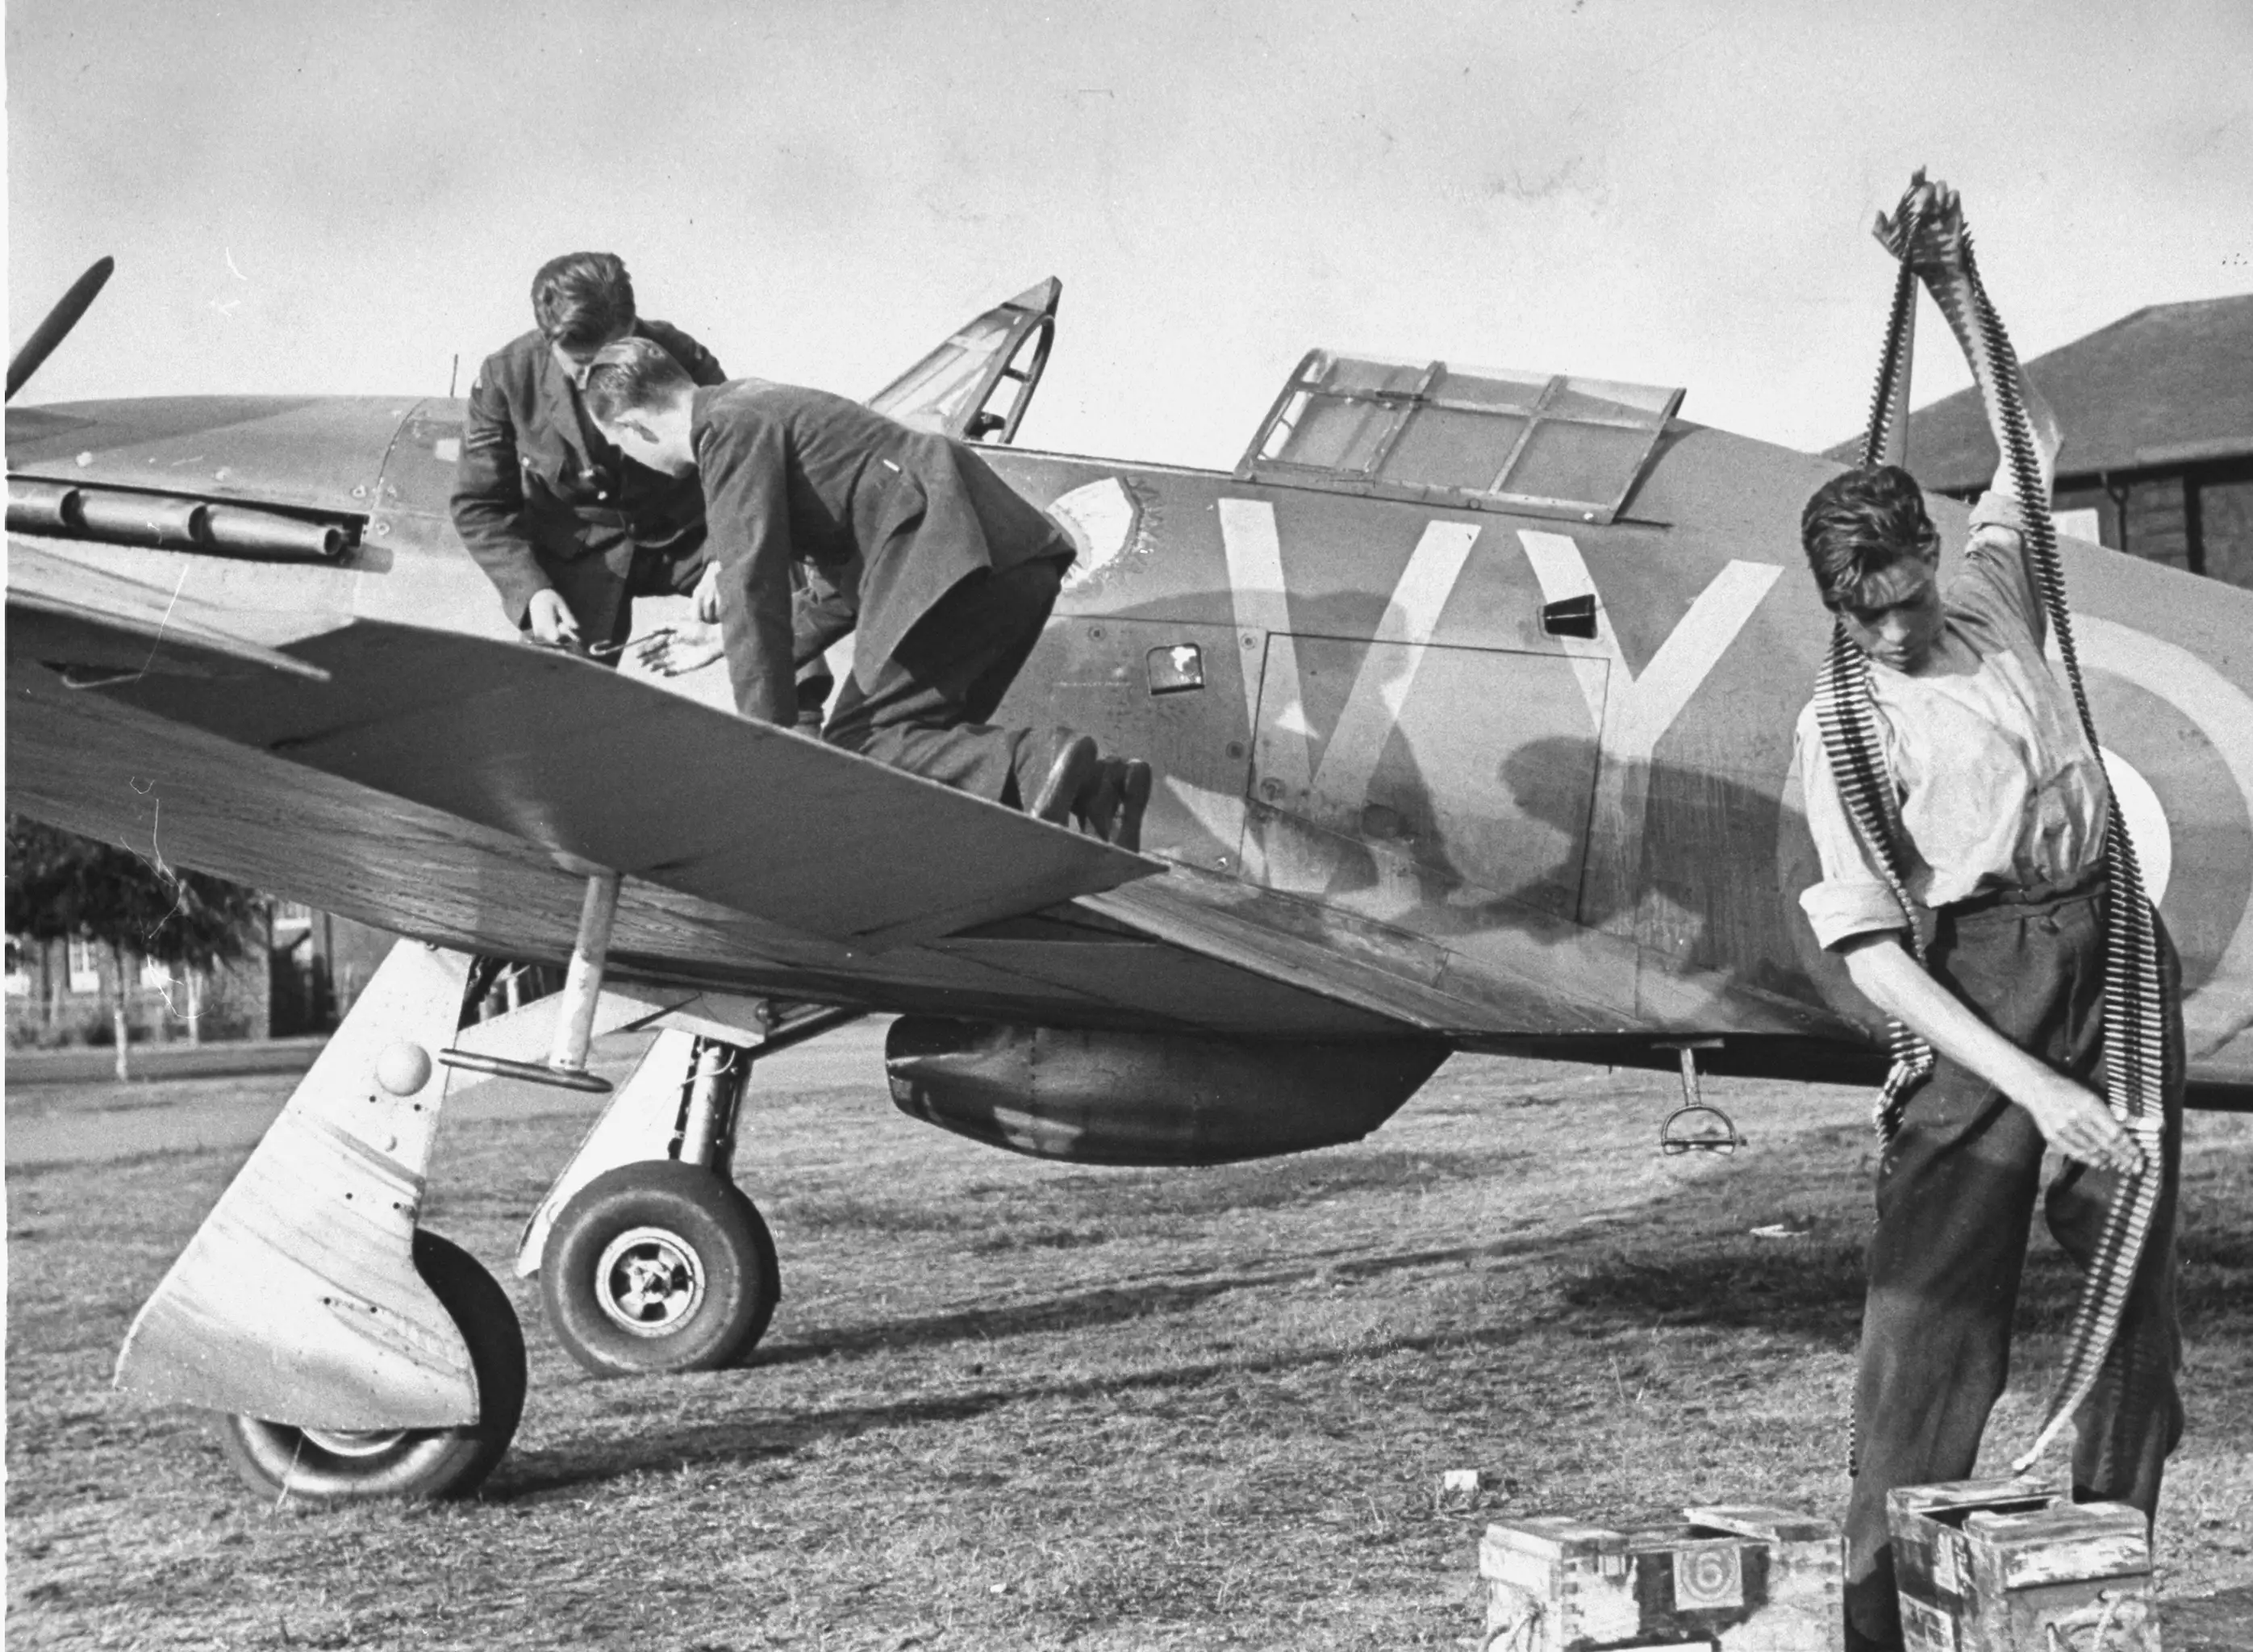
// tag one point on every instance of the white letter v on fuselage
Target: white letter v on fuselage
(1632, 711)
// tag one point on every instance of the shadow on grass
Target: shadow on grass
(1119, 1201)
(1148, 1298)
(595, 1459)
(2217, 1285)
(1797, 1287)
(1814, 1288)
(1624, 1273)
(1821, 1302)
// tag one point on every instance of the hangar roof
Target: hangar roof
(2169, 384)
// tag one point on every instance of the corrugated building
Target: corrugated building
(2157, 414)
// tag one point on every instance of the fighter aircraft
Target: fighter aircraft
(1471, 694)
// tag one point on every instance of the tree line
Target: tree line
(63, 887)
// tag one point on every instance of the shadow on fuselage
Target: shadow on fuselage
(1456, 806)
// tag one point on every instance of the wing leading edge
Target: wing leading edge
(583, 763)
(89, 626)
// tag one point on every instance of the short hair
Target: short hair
(581, 299)
(1861, 522)
(633, 376)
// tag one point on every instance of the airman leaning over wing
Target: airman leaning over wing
(567, 527)
(905, 538)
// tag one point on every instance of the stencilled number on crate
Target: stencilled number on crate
(1925, 1628)
(1709, 1579)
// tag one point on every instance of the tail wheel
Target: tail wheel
(324, 1466)
(659, 1266)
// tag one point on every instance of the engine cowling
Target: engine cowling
(1148, 1099)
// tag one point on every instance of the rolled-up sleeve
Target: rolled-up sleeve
(1853, 897)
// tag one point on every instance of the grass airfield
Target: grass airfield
(1012, 1404)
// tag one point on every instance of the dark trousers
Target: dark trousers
(925, 709)
(1955, 1196)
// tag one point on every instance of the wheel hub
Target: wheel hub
(353, 1442)
(650, 1281)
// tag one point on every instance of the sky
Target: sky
(308, 197)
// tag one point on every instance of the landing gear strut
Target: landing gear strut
(650, 1257)
(350, 1354)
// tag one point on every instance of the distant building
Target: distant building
(65, 992)
(302, 979)
(2157, 414)
(320, 963)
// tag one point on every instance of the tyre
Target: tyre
(324, 1466)
(659, 1266)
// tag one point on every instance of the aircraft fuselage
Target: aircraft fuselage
(1357, 709)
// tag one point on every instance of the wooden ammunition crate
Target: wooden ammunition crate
(2013, 1565)
(1745, 1579)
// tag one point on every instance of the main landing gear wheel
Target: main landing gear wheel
(324, 1466)
(659, 1266)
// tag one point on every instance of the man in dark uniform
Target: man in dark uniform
(567, 527)
(906, 539)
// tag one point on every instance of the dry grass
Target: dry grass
(1016, 1405)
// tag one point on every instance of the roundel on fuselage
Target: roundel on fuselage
(2146, 820)
(2178, 743)
(1106, 521)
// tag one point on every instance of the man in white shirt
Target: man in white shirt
(2000, 826)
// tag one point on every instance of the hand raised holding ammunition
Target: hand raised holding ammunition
(1928, 226)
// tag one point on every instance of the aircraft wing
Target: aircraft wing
(572, 759)
(90, 626)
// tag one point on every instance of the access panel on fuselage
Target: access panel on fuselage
(1166, 691)
(1399, 778)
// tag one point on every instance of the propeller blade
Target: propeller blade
(57, 326)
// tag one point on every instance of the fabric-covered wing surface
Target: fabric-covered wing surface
(564, 754)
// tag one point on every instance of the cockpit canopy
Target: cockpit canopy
(1535, 444)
